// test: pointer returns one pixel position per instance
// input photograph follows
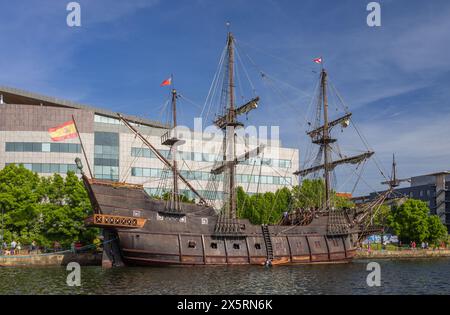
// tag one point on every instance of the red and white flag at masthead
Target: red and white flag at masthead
(318, 60)
(167, 82)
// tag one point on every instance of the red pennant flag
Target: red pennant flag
(167, 82)
(318, 60)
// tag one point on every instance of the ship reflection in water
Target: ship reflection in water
(397, 277)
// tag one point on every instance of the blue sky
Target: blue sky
(394, 78)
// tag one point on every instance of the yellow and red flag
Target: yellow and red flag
(64, 131)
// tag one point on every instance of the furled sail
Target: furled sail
(349, 160)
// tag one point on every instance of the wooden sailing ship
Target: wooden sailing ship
(142, 230)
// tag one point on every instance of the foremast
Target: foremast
(174, 200)
(165, 140)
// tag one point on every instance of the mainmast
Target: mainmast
(326, 139)
(227, 223)
(230, 135)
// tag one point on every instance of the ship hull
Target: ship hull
(145, 234)
(173, 249)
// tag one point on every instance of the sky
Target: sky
(394, 78)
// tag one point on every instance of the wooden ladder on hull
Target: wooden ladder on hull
(267, 241)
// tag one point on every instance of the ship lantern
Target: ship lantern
(345, 123)
(79, 164)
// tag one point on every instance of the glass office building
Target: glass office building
(113, 152)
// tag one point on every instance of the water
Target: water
(431, 276)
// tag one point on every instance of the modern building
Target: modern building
(432, 188)
(113, 151)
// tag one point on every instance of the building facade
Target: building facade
(114, 152)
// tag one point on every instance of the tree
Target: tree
(381, 215)
(167, 195)
(411, 222)
(20, 195)
(437, 231)
(44, 209)
(311, 194)
(266, 208)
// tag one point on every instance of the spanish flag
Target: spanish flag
(64, 131)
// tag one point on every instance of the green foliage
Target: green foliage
(436, 230)
(311, 194)
(44, 209)
(381, 215)
(266, 208)
(411, 222)
(166, 196)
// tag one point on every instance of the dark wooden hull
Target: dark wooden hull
(140, 247)
(190, 239)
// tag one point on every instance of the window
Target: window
(154, 172)
(198, 157)
(37, 167)
(106, 154)
(9, 147)
(236, 246)
(257, 246)
(63, 168)
(192, 244)
(37, 147)
(72, 167)
(42, 147)
(45, 168)
(28, 147)
(63, 147)
(214, 245)
(73, 148)
(54, 168)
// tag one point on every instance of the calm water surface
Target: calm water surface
(397, 277)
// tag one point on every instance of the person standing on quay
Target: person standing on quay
(33, 246)
(13, 247)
